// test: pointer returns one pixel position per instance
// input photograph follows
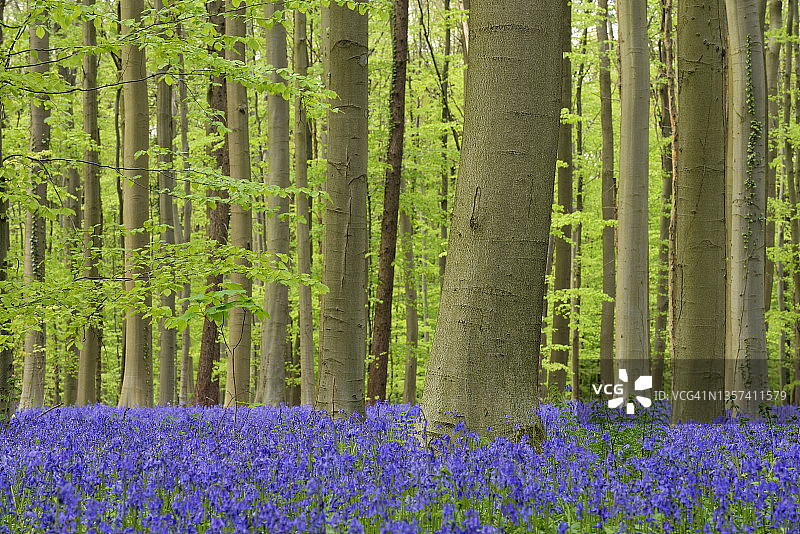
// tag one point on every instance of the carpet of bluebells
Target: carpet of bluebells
(103, 469)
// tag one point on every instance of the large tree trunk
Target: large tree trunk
(33, 373)
(272, 379)
(491, 309)
(207, 384)
(378, 369)
(698, 262)
(187, 364)
(559, 353)
(237, 382)
(168, 342)
(633, 333)
(412, 321)
(93, 219)
(7, 349)
(344, 321)
(301, 153)
(609, 201)
(137, 385)
(772, 64)
(745, 170)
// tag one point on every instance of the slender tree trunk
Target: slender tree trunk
(7, 349)
(698, 263)
(93, 219)
(666, 93)
(788, 179)
(746, 172)
(783, 375)
(376, 388)
(137, 386)
(207, 385)
(237, 382)
(793, 180)
(609, 202)
(168, 343)
(772, 64)
(577, 231)
(481, 367)
(301, 152)
(633, 334)
(559, 353)
(33, 373)
(412, 321)
(272, 380)
(446, 119)
(344, 322)
(187, 364)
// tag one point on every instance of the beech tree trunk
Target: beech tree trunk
(745, 170)
(187, 364)
(378, 369)
(272, 379)
(92, 219)
(633, 333)
(137, 385)
(412, 320)
(559, 354)
(698, 263)
(772, 64)
(7, 350)
(302, 153)
(33, 372)
(168, 342)
(609, 201)
(237, 381)
(344, 320)
(480, 370)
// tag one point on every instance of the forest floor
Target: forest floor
(175, 469)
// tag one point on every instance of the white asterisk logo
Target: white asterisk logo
(642, 383)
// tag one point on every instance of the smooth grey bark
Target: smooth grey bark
(608, 200)
(237, 382)
(302, 155)
(745, 170)
(698, 263)
(481, 371)
(272, 379)
(793, 180)
(344, 320)
(559, 353)
(33, 372)
(137, 385)
(92, 218)
(168, 342)
(632, 340)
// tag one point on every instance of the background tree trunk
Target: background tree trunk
(237, 382)
(7, 350)
(609, 201)
(93, 219)
(772, 63)
(272, 379)
(302, 153)
(559, 353)
(207, 385)
(137, 385)
(698, 264)
(168, 342)
(378, 369)
(633, 333)
(33, 372)
(187, 364)
(344, 321)
(490, 314)
(745, 169)
(412, 321)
